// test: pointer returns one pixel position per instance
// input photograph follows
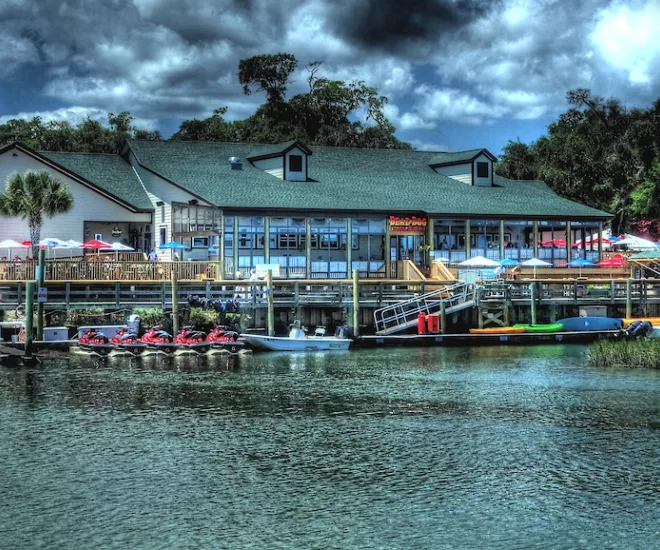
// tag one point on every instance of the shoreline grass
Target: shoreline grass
(635, 354)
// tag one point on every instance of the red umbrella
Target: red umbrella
(95, 245)
(556, 242)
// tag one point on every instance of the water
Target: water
(506, 447)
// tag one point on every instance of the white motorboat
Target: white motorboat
(299, 341)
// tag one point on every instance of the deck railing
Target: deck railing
(373, 293)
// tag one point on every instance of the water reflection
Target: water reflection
(427, 448)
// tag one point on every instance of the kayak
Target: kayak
(572, 324)
(497, 330)
(655, 321)
(540, 329)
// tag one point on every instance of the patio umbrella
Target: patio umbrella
(535, 262)
(173, 245)
(479, 261)
(9, 245)
(637, 243)
(580, 263)
(94, 244)
(117, 248)
(508, 262)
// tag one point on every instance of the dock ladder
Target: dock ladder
(403, 315)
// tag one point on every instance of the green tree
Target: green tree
(268, 73)
(32, 196)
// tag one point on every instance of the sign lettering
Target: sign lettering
(407, 225)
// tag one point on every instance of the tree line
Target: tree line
(599, 153)
(325, 114)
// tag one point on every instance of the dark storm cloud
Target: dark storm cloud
(394, 24)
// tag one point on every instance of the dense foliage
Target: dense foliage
(325, 115)
(599, 153)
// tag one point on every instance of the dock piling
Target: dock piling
(29, 315)
(269, 295)
(532, 288)
(41, 277)
(628, 298)
(356, 303)
(443, 318)
(175, 303)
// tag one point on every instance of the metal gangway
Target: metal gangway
(403, 315)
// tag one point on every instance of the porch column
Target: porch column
(308, 248)
(266, 239)
(535, 237)
(221, 248)
(569, 241)
(468, 246)
(235, 245)
(600, 241)
(430, 235)
(388, 252)
(501, 243)
(349, 248)
(583, 238)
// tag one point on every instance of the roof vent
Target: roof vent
(235, 163)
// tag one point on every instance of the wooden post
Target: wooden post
(430, 254)
(501, 237)
(443, 318)
(175, 304)
(553, 313)
(600, 241)
(349, 246)
(269, 300)
(532, 288)
(266, 239)
(628, 298)
(468, 245)
(387, 252)
(535, 237)
(308, 248)
(296, 298)
(40, 284)
(356, 303)
(505, 314)
(221, 251)
(234, 243)
(29, 314)
(569, 241)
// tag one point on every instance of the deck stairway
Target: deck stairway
(403, 315)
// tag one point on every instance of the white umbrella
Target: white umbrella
(9, 244)
(119, 247)
(637, 243)
(535, 262)
(479, 261)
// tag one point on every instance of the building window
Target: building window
(295, 163)
(482, 169)
(200, 242)
(163, 235)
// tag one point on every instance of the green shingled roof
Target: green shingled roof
(646, 255)
(453, 158)
(110, 173)
(359, 180)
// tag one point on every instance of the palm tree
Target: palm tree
(34, 195)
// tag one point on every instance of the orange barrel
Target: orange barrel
(421, 323)
(433, 322)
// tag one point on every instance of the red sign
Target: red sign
(407, 226)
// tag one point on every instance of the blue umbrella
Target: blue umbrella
(173, 245)
(508, 262)
(580, 263)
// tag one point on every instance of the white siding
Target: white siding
(88, 205)
(458, 172)
(296, 176)
(160, 190)
(484, 182)
(274, 166)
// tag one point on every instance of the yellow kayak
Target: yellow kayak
(655, 321)
(498, 330)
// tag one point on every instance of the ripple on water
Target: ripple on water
(424, 448)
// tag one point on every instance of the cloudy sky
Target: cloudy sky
(460, 74)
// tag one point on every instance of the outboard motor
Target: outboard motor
(343, 332)
(134, 323)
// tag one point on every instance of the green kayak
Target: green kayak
(555, 327)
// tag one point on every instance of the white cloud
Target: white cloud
(627, 39)
(422, 145)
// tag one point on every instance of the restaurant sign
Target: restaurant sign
(406, 226)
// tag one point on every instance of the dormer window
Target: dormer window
(295, 163)
(482, 169)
